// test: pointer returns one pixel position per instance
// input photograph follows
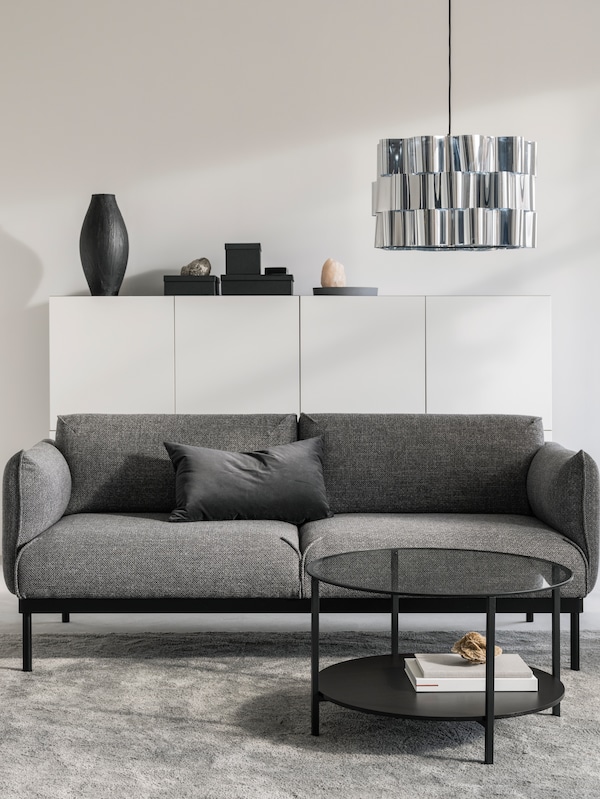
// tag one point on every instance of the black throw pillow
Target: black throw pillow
(284, 483)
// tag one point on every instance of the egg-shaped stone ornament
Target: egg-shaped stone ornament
(333, 274)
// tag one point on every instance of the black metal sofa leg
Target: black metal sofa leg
(530, 617)
(66, 617)
(27, 659)
(575, 634)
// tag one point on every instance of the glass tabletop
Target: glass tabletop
(439, 572)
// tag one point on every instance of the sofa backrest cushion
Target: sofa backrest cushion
(410, 463)
(119, 463)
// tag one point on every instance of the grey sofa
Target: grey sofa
(86, 517)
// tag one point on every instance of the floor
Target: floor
(10, 620)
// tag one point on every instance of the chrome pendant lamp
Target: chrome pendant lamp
(467, 192)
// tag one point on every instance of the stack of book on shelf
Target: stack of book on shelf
(449, 672)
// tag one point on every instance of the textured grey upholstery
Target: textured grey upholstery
(88, 517)
(518, 535)
(563, 492)
(119, 462)
(143, 555)
(427, 463)
(36, 490)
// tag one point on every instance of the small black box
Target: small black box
(242, 259)
(257, 284)
(191, 284)
(275, 270)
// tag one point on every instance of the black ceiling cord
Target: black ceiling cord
(449, 67)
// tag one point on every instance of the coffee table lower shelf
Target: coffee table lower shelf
(379, 685)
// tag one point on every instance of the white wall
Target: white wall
(231, 120)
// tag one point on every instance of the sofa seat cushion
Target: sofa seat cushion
(518, 535)
(122, 555)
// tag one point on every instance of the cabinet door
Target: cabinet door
(111, 355)
(362, 354)
(237, 354)
(490, 355)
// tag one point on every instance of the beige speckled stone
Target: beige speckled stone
(201, 266)
(472, 647)
(333, 274)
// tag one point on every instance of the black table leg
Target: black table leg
(490, 644)
(314, 613)
(395, 602)
(556, 641)
(395, 609)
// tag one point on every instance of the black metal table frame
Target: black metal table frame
(488, 719)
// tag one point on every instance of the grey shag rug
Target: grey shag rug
(227, 715)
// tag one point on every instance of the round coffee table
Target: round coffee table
(379, 684)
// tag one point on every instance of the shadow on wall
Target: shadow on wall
(145, 284)
(24, 348)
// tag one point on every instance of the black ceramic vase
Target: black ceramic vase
(104, 246)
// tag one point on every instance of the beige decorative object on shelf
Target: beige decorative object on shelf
(472, 647)
(199, 267)
(333, 274)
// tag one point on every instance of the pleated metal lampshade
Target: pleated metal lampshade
(455, 193)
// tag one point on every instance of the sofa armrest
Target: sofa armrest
(36, 492)
(563, 492)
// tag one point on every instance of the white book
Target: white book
(465, 683)
(451, 665)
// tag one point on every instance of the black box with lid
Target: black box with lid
(191, 284)
(257, 284)
(242, 259)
